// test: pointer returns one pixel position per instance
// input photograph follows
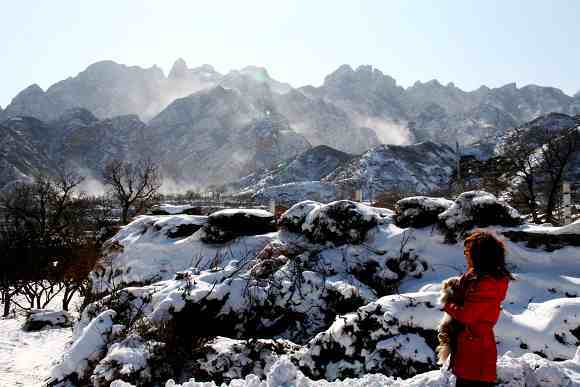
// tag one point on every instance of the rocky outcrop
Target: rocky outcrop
(47, 319)
(477, 209)
(225, 225)
(295, 217)
(337, 222)
(419, 211)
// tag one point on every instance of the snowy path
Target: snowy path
(26, 357)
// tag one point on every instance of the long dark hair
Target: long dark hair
(487, 254)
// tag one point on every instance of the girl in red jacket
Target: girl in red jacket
(484, 287)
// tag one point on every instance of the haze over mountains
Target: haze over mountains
(210, 128)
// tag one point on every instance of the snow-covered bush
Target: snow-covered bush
(226, 359)
(394, 336)
(133, 359)
(477, 209)
(225, 225)
(420, 211)
(40, 319)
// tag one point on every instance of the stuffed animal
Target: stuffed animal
(448, 327)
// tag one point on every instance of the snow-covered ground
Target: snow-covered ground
(26, 358)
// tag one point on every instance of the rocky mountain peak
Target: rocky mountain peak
(433, 83)
(31, 91)
(345, 76)
(178, 70)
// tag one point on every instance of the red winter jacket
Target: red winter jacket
(476, 354)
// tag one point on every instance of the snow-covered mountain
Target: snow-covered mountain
(312, 165)
(76, 140)
(323, 173)
(20, 156)
(422, 167)
(209, 128)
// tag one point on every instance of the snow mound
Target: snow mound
(572, 228)
(225, 225)
(477, 209)
(86, 349)
(40, 319)
(153, 248)
(420, 211)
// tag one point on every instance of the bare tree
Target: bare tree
(42, 227)
(556, 154)
(522, 161)
(132, 184)
(538, 157)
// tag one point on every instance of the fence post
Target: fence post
(567, 202)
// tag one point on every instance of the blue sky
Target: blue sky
(467, 42)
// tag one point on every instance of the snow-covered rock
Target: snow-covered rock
(40, 319)
(339, 222)
(395, 335)
(477, 209)
(225, 225)
(293, 219)
(420, 211)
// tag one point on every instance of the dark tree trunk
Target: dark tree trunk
(6, 298)
(125, 215)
